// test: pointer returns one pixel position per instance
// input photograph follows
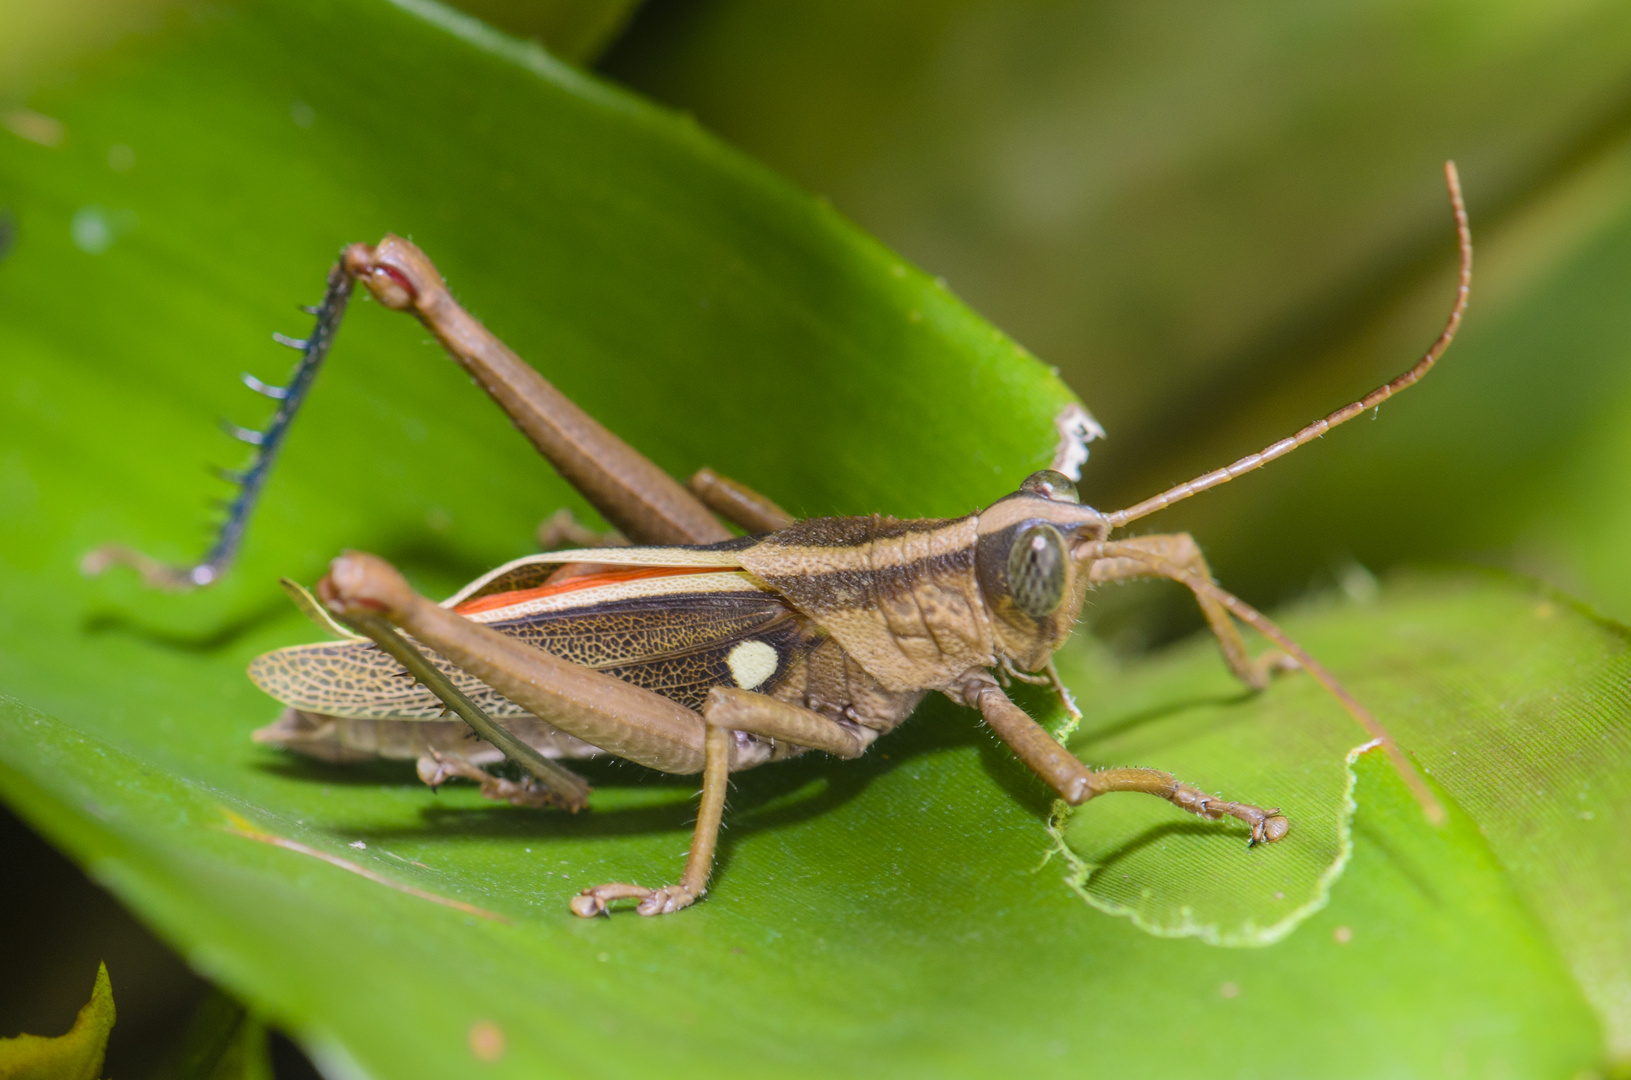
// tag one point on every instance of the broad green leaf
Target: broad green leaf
(76, 1055)
(940, 925)
(883, 917)
(1514, 700)
(1165, 869)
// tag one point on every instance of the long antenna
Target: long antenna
(1313, 431)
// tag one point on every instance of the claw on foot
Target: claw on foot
(435, 770)
(1270, 666)
(1275, 662)
(1267, 826)
(664, 901)
(1273, 826)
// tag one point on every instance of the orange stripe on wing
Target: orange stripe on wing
(573, 584)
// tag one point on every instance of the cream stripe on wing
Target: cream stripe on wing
(611, 556)
(671, 585)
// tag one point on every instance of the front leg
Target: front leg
(1076, 783)
(1203, 586)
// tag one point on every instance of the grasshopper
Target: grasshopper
(686, 648)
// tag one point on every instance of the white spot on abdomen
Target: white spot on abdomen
(751, 663)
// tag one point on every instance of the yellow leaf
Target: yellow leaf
(74, 1056)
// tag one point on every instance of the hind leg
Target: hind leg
(641, 501)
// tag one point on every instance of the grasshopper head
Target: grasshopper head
(1031, 578)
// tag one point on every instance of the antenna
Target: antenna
(1313, 431)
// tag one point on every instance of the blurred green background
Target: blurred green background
(1220, 221)
(1217, 220)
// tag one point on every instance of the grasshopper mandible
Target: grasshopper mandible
(687, 649)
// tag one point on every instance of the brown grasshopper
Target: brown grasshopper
(688, 649)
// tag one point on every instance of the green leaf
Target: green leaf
(1168, 871)
(74, 1056)
(885, 916)
(1513, 699)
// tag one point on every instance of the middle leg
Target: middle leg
(727, 712)
(738, 503)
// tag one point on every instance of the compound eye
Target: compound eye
(1037, 565)
(1051, 485)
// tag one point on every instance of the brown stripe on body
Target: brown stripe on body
(900, 596)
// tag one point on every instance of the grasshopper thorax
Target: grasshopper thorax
(1030, 576)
